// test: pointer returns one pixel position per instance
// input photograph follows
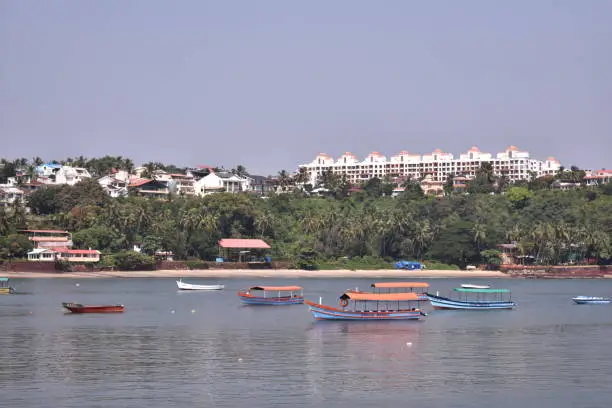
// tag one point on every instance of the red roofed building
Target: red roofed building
(240, 250)
(79, 255)
(68, 255)
(148, 187)
(49, 239)
(598, 177)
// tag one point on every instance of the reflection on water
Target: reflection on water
(207, 350)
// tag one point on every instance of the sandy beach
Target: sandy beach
(265, 273)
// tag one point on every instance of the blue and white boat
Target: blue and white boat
(474, 299)
(370, 306)
(591, 300)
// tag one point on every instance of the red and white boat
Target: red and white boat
(78, 308)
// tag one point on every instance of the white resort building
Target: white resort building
(437, 165)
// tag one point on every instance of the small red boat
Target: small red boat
(78, 308)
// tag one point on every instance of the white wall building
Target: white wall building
(10, 194)
(221, 182)
(598, 177)
(71, 175)
(512, 162)
(51, 173)
(114, 186)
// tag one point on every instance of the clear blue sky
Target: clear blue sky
(270, 83)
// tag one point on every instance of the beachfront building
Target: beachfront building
(49, 239)
(79, 255)
(42, 255)
(63, 254)
(513, 163)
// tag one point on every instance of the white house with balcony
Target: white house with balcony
(221, 182)
(68, 255)
(113, 186)
(10, 194)
(71, 175)
(42, 255)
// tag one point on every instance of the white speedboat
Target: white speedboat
(591, 300)
(188, 286)
(471, 286)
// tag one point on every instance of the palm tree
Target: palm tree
(302, 176)
(5, 222)
(283, 179)
(19, 215)
(480, 234)
(311, 222)
(421, 238)
(264, 222)
(240, 171)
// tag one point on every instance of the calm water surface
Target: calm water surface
(204, 349)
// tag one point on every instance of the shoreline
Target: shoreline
(264, 273)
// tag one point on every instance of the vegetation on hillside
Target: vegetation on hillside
(345, 228)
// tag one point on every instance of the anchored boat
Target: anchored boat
(272, 295)
(188, 286)
(5, 288)
(474, 299)
(591, 300)
(370, 306)
(79, 308)
(420, 288)
(472, 286)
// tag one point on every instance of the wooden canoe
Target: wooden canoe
(78, 308)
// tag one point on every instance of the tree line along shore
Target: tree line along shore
(346, 229)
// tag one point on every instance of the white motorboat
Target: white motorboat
(591, 300)
(188, 286)
(471, 286)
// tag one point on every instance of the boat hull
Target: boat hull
(591, 300)
(322, 312)
(248, 299)
(81, 309)
(7, 291)
(442, 303)
(470, 286)
(189, 286)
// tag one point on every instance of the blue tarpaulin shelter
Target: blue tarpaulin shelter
(409, 265)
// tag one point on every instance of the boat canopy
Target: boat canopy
(400, 285)
(472, 290)
(277, 288)
(382, 297)
(4, 279)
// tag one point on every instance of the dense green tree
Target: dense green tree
(519, 196)
(44, 201)
(484, 181)
(15, 246)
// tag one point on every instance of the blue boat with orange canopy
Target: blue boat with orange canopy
(272, 295)
(370, 306)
